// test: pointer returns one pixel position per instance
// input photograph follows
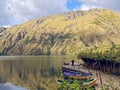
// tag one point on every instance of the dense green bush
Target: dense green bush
(109, 85)
(111, 53)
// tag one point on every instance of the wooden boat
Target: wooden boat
(70, 73)
(66, 63)
(89, 82)
(79, 77)
(71, 68)
(76, 75)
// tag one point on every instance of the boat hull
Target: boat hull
(65, 68)
(84, 83)
(72, 74)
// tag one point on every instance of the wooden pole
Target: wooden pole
(100, 79)
(0, 79)
(96, 73)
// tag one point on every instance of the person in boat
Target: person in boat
(72, 62)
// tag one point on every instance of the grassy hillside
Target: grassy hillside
(65, 33)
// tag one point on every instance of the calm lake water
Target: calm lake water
(32, 72)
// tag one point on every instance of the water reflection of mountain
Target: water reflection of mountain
(36, 73)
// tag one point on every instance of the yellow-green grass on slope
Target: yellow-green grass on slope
(62, 33)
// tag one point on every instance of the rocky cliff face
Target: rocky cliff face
(2, 29)
(65, 33)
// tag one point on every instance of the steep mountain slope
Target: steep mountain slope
(62, 34)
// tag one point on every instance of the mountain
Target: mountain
(61, 34)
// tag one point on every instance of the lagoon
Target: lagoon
(36, 72)
(32, 72)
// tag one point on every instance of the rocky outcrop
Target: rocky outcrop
(2, 29)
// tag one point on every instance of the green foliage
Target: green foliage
(109, 85)
(111, 53)
(76, 85)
